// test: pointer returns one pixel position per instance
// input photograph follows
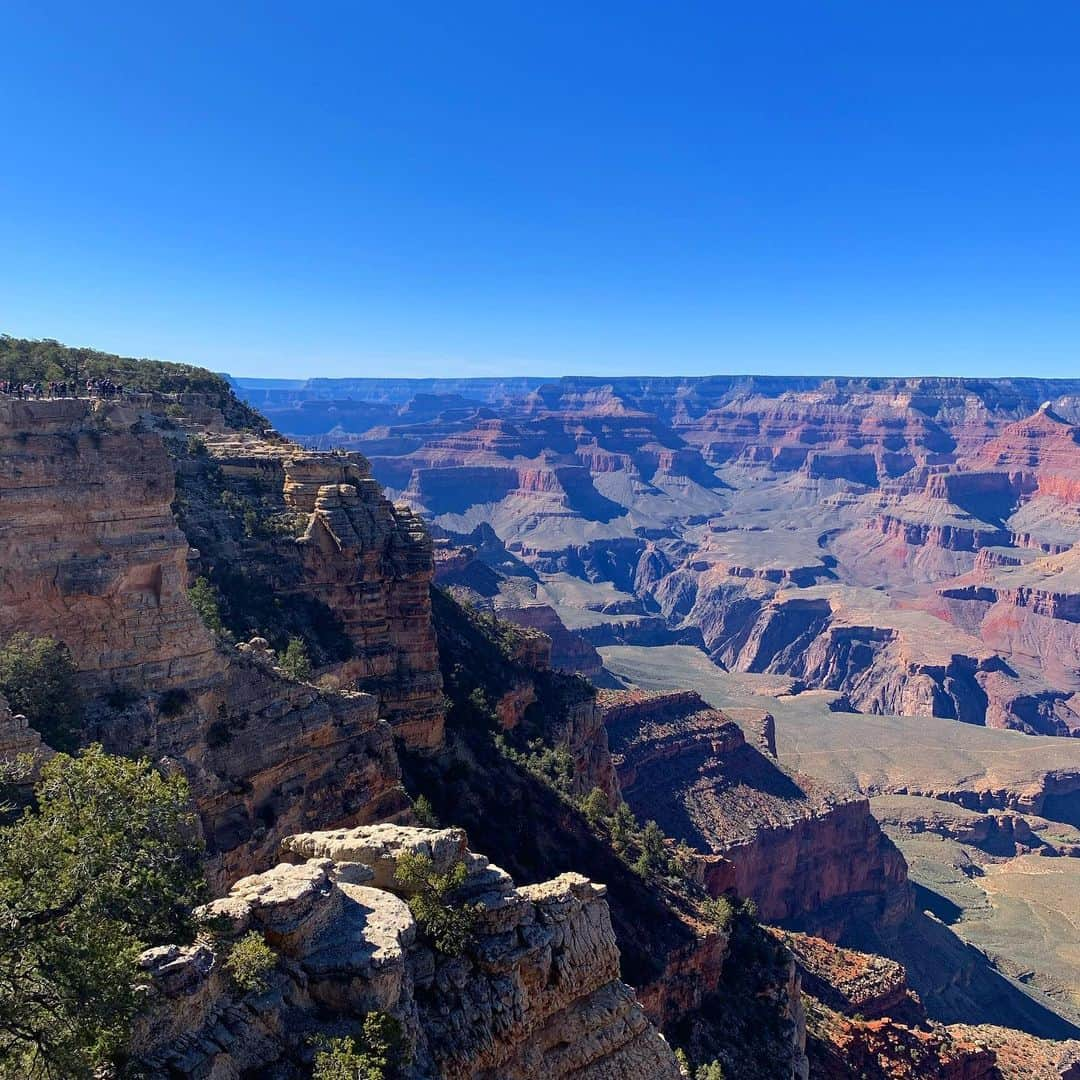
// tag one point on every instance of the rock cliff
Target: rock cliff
(90, 554)
(354, 558)
(535, 993)
(807, 855)
(90, 550)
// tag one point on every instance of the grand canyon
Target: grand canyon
(741, 714)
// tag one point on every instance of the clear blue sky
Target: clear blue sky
(547, 188)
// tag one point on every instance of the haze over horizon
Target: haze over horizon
(508, 191)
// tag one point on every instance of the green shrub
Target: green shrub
(479, 703)
(449, 927)
(623, 826)
(292, 523)
(233, 503)
(552, 764)
(719, 911)
(204, 599)
(294, 661)
(196, 446)
(250, 961)
(105, 863)
(425, 812)
(37, 676)
(595, 807)
(652, 845)
(371, 1056)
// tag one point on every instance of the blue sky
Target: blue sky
(511, 188)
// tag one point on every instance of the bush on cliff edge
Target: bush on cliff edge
(447, 925)
(106, 862)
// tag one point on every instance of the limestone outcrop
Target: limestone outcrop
(20, 742)
(535, 993)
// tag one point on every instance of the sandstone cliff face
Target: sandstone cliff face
(537, 992)
(89, 550)
(371, 563)
(806, 855)
(364, 561)
(91, 555)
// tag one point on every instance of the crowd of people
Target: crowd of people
(95, 388)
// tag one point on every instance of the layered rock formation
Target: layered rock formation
(807, 856)
(90, 550)
(714, 504)
(92, 556)
(535, 993)
(365, 562)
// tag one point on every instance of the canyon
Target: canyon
(820, 632)
(846, 557)
(904, 542)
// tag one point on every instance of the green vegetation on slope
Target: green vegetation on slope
(516, 815)
(37, 676)
(106, 862)
(447, 925)
(378, 1051)
(25, 360)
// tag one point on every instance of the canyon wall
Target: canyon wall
(91, 554)
(362, 560)
(807, 855)
(714, 504)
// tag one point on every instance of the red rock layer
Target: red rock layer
(806, 855)
(90, 554)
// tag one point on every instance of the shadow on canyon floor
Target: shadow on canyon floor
(957, 982)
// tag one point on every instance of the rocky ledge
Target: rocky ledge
(535, 993)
